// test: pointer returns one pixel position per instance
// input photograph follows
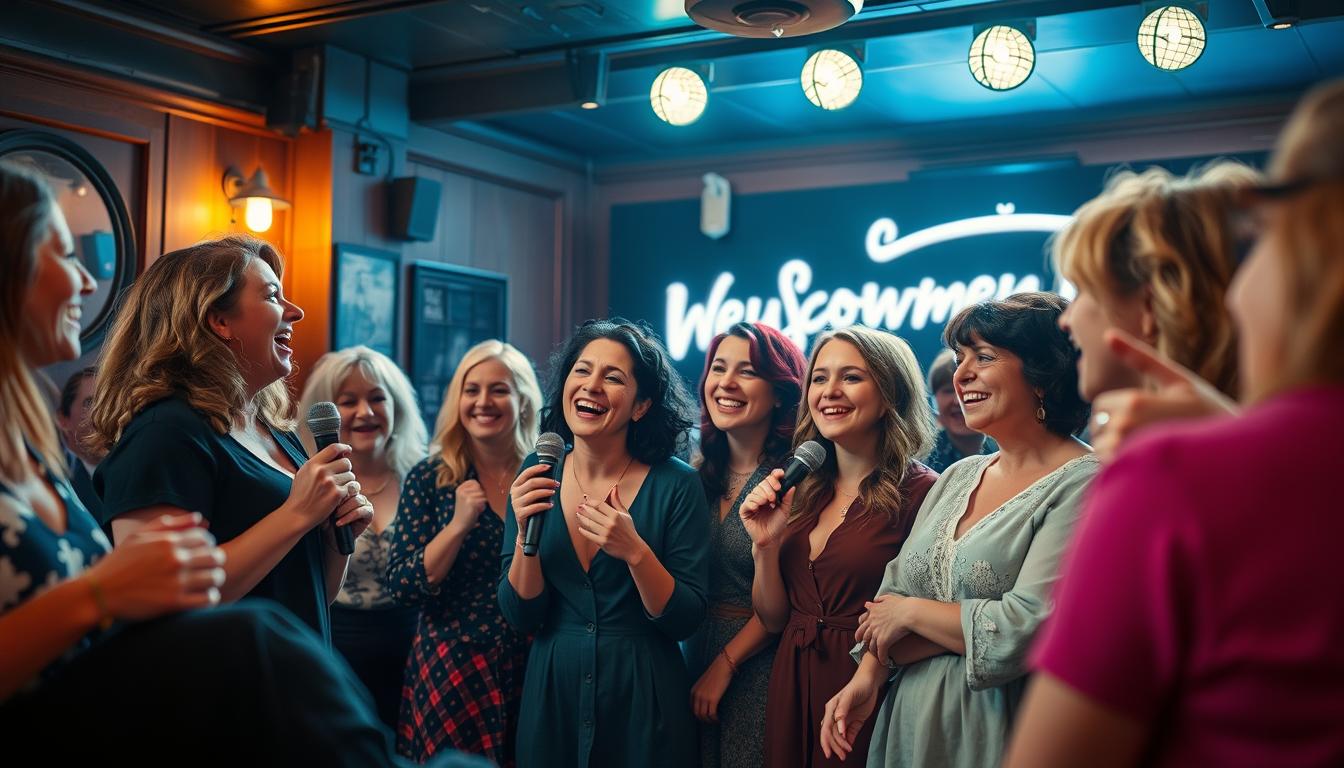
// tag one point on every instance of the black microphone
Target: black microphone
(807, 458)
(324, 421)
(550, 450)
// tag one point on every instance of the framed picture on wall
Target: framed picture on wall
(364, 304)
(451, 310)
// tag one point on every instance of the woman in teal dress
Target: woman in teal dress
(621, 572)
(959, 607)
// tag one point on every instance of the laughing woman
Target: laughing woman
(816, 567)
(191, 402)
(958, 609)
(382, 425)
(464, 678)
(620, 575)
(749, 403)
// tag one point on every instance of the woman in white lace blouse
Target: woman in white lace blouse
(959, 607)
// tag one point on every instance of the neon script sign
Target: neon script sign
(801, 312)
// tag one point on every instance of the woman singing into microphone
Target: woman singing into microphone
(464, 678)
(819, 558)
(192, 404)
(623, 562)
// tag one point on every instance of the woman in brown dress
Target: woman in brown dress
(819, 562)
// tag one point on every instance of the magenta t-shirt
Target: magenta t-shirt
(1204, 594)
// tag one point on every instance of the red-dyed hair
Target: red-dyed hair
(777, 360)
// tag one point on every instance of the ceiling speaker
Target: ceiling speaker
(771, 18)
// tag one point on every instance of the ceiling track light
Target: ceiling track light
(679, 95)
(832, 77)
(1171, 36)
(1002, 56)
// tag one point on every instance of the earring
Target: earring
(1040, 412)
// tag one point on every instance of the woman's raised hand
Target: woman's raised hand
(764, 514)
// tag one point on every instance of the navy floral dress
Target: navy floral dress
(464, 677)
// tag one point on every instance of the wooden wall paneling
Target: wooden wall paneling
(515, 234)
(308, 270)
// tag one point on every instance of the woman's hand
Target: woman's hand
(609, 525)
(170, 564)
(845, 715)
(709, 689)
(1180, 394)
(323, 481)
(764, 514)
(885, 620)
(532, 493)
(468, 503)
(355, 511)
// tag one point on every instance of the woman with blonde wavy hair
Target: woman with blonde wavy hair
(464, 677)
(815, 568)
(381, 423)
(191, 404)
(1152, 257)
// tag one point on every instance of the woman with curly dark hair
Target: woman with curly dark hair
(961, 604)
(749, 396)
(620, 574)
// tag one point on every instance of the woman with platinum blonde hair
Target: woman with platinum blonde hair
(464, 677)
(381, 423)
(191, 402)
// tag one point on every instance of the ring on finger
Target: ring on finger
(1102, 418)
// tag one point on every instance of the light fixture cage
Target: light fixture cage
(679, 96)
(1001, 57)
(832, 78)
(1172, 37)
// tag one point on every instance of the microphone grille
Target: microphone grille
(810, 453)
(324, 419)
(550, 447)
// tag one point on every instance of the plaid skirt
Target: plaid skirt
(460, 695)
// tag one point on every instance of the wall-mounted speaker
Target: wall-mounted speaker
(413, 208)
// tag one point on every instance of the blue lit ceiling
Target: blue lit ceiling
(1088, 65)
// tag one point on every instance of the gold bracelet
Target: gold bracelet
(732, 665)
(104, 614)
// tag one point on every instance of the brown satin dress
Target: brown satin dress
(826, 598)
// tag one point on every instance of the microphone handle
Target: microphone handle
(793, 475)
(532, 533)
(345, 538)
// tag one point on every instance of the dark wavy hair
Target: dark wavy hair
(662, 430)
(777, 360)
(1027, 324)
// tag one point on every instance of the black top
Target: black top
(33, 557)
(463, 605)
(169, 454)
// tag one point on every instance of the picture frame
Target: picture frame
(451, 309)
(364, 300)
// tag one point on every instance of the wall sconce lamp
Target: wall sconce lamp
(254, 195)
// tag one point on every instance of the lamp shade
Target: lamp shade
(832, 79)
(1171, 37)
(1001, 57)
(255, 196)
(678, 96)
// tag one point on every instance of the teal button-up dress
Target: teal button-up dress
(606, 684)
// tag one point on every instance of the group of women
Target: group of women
(675, 616)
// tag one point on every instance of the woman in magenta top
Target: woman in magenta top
(1195, 624)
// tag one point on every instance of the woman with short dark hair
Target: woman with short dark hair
(960, 605)
(620, 574)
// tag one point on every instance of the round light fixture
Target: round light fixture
(678, 96)
(832, 78)
(1171, 38)
(1001, 58)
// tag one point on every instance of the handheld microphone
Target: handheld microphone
(550, 450)
(324, 421)
(807, 458)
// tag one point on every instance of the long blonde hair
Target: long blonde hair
(162, 343)
(1309, 230)
(26, 209)
(450, 441)
(406, 444)
(1173, 238)
(905, 431)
